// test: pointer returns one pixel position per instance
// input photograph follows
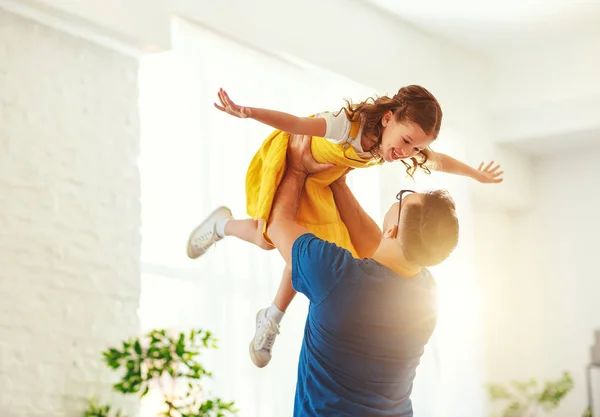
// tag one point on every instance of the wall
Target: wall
(142, 25)
(69, 216)
(549, 96)
(541, 277)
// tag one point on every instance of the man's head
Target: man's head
(424, 225)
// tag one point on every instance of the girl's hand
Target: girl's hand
(489, 174)
(230, 107)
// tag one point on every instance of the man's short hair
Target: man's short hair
(429, 231)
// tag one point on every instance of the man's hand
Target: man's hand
(300, 158)
(341, 180)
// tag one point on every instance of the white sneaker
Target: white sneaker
(264, 338)
(205, 235)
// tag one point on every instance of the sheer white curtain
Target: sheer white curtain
(193, 159)
(450, 378)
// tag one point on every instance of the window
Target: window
(194, 159)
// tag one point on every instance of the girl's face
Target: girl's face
(401, 140)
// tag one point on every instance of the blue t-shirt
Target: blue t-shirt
(365, 332)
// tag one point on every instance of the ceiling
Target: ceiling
(486, 25)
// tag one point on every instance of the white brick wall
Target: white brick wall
(69, 217)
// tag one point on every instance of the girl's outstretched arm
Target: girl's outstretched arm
(489, 173)
(276, 119)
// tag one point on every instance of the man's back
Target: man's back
(364, 335)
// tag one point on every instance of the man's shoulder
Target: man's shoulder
(426, 275)
(310, 249)
(315, 245)
(318, 266)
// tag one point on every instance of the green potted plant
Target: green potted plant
(159, 361)
(528, 398)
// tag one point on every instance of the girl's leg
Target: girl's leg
(220, 223)
(248, 230)
(268, 319)
(285, 292)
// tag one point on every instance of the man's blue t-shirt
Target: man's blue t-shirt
(365, 332)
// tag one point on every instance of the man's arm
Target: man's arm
(318, 266)
(282, 228)
(364, 232)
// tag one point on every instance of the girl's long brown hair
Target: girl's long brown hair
(412, 103)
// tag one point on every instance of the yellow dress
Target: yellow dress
(317, 210)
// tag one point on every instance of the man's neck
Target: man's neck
(390, 254)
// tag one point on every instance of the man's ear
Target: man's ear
(391, 232)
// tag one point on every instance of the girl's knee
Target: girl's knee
(260, 238)
(265, 245)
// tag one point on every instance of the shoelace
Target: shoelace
(267, 338)
(202, 241)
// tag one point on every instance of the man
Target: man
(369, 319)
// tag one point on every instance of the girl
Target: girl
(385, 129)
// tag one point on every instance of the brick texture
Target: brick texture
(69, 217)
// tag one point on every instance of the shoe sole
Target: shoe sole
(255, 359)
(190, 249)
